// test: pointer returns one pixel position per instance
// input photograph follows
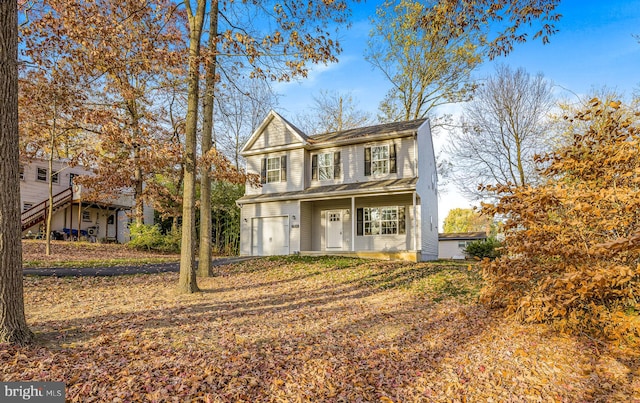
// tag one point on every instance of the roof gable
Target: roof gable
(274, 132)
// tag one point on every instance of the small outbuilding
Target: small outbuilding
(452, 245)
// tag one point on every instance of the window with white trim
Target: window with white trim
(381, 220)
(86, 216)
(42, 175)
(325, 166)
(274, 169)
(21, 170)
(380, 160)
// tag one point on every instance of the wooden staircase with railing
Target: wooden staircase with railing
(38, 213)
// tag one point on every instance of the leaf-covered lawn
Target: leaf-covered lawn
(304, 329)
(86, 254)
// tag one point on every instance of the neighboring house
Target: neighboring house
(352, 192)
(452, 245)
(104, 220)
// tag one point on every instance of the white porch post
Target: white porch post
(353, 224)
(415, 223)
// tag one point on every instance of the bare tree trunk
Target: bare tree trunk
(13, 325)
(138, 187)
(187, 282)
(52, 146)
(204, 263)
(50, 208)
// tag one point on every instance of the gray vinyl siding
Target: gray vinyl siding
(427, 189)
(388, 242)
(306, 226)
(295, 172)
(275, 134)
(273, 209)
(319, 209)
(414, 158)
(352, 159)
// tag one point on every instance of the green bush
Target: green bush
(149, 237)
(481, 249)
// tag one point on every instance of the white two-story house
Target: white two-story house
(370, 191)
(97, 220)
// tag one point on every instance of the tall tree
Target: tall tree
(427, 49)
(504, 126)
(333, 111)
(187, 282)
(425, 67)
(13, 325)
(466, 220)
(204, 261)
(51, 117)
(126, 52)
(274, 40)
(572, 242)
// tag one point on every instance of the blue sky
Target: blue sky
(593, 48)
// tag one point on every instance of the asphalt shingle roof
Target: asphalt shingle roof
(366, 187)
(369, 131)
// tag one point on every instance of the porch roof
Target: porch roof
(339, 190)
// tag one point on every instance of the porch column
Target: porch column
(415, 223)
(353, 224)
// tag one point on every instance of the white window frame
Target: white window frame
(45, 171)
(55, 178)
(273, 170)
(326, 171)
(382, 220)
(21, 171)
(380, 160)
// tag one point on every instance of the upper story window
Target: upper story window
(325, 166)
(274, 169)
(42, 175)
(380, 160)
(21, 170)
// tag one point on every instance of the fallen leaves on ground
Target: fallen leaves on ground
(303, 329)
(68, 253)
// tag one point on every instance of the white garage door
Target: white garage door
(270, 236)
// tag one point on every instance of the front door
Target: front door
(111, 226)
(334, 230)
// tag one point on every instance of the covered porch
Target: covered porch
(380, 226)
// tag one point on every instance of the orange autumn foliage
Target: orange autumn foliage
(571, 252)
